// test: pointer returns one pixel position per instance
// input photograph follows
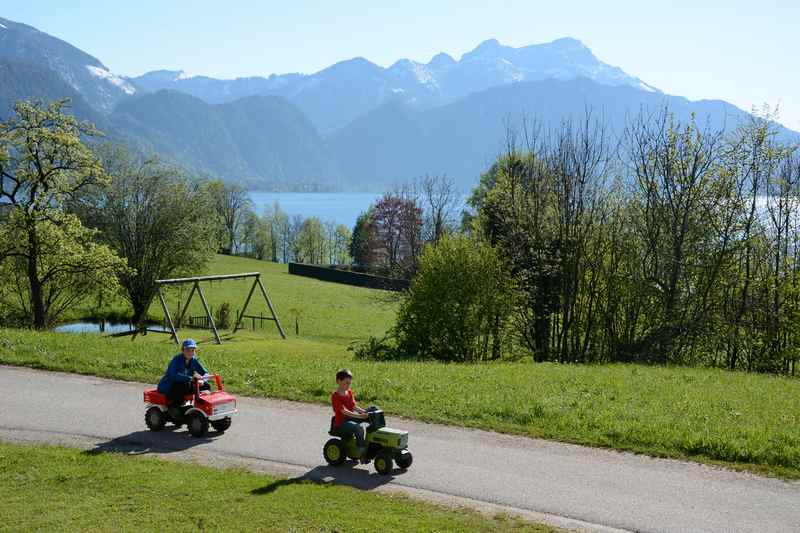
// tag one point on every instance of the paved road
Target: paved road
(566, 485)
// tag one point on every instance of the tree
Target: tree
(684, 214)
(396, 221)
(45, 252)
(257, 236)
(362, 243)
(440, 201)
(153, 216)
(281, 229)
(341, 245)
(232, 205)
(310, 243)
(459, 303)
(330, 241)
(515, 214)
(295, 226)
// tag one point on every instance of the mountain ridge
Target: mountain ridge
(83, 72)
(257, 138)
(441, 80)
(353, 125)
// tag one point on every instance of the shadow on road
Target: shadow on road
(342, 475)
(167, 440)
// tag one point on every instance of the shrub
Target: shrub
(380, 349)
(459, 303)
(223, 318)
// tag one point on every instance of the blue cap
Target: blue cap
(189, 343)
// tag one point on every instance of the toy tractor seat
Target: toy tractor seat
(152, 396)
(333, 431)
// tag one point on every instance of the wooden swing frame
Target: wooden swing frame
(196, 287)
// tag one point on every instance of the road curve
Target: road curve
(566, 485)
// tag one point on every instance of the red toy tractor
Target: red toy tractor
(199, 410)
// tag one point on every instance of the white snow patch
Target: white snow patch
(422, 74)
(644, 86)
(3, 26)
(183, 75)
(116, 80)
(398, 91)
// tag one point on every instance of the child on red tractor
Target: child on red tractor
(183, 396)
(177, 381)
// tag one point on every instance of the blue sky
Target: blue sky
(743, 52)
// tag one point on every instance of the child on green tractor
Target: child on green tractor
(376, 443)
(347, 415)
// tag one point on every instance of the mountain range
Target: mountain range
(354, 125)
(358, 86)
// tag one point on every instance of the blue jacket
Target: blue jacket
(179, 371)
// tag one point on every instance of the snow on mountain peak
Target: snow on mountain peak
(419, 71)
(102, 73)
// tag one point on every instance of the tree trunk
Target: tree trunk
(139, 310)
(37, 298)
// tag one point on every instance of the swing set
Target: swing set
(197, 288)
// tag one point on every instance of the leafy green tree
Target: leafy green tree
(257, 236)
(310, 243)
(516, 215)
(46, 254)
(459, 303)
(362, 243)
(340, 245)
(684, 213)
(153, 216)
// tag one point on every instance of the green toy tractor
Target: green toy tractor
(385, 446)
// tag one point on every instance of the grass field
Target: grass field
(327, 312)
(59, 489)
(748, 421)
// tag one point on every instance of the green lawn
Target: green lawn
(59, 489)
(749, 421)
(327, 311)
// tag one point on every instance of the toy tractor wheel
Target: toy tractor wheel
(197, 424)
(222, 425)
(154, 419)
(334, 453)
(404, 459)
(383, 463)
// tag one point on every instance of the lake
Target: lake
(100, 327)
(342, 208)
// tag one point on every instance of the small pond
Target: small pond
(100, 327)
